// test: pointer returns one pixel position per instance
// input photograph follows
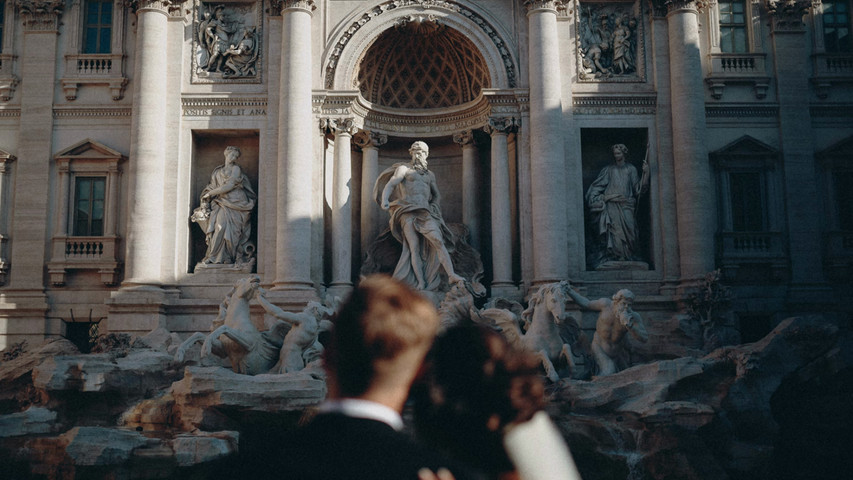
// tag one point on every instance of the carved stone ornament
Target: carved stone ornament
(226, 43)
(170, 6)
(610, 42)
(277, 7)
(40, 15)
(447, 5)
(534, 5)
(788, 14)
(365, 139)
(501, 126)
(465, 137)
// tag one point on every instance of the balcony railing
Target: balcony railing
(84, 253)
(94, 69)
(752, 245)
(729, 68)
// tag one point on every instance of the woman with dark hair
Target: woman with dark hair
(481, 402)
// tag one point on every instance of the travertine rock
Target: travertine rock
(31, 421)
(139, 371)
(205, 395)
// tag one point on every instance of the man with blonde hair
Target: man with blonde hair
(381, 336)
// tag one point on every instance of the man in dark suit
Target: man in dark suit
(381, 335)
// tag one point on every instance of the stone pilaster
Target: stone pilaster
(24, 294)
(547, 156)
(791, 51)
(502, 284)
(5, 160)
(667, 234)
(369, 143)
(470, 185)
(693, 187)
(341, 284)
(295, 152)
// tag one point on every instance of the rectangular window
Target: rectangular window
(747, 202)
(2, 22)
(733, 26)
(844, 199)
(98, 26)
(89, 206)
(836, 26)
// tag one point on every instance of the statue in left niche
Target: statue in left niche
(225, 44)
(224, 215)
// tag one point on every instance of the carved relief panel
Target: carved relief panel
(610, 46)
(226, 42)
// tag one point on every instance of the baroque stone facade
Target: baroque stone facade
(113, 115)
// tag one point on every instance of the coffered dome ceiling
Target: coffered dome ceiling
(422, 65)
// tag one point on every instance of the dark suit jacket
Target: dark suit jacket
(334, 446)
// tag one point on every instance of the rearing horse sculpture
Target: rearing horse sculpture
(544, 319)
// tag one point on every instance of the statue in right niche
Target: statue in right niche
(612, 200)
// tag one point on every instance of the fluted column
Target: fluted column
(144, 243)
(295, 149)
(470, 185)
(369, 143)
(499, 129)
(693, 188)
(791, 50)
(547, 157)
(341, 284)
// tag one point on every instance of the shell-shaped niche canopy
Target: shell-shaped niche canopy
(422, 64)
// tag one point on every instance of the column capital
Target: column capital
(787, 15)
(277, 7)
(40, 15)
(501, 126)
(163, 6)
(465, 138)
(338, 126)
(367, 139)
(665, 7)
(542, 5)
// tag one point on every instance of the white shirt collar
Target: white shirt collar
(357, 408)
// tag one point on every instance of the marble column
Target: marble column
(369, 143)
(341, 284)
(470, 185)
(547, 156)
(694, 190)
(147, 147)
(295, 151)
(502, 284)
(790, 50)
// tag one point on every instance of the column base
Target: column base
(506, 290)
(294, 293)
(137, 309)
(341, 290)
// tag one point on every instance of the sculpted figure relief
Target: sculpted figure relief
(226, 206)
(410, 194)
(608, 42)
(225, 44)
(612, 201)
(610, 348)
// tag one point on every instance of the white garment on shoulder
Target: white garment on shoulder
(356, 408)
(538, 451)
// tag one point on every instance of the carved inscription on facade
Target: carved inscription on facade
(226, 43)
(610, 42)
